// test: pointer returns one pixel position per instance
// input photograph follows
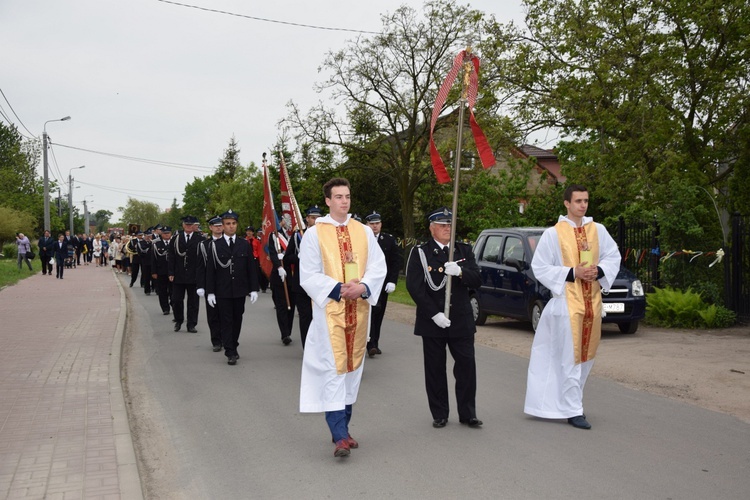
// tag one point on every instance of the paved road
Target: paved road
(214, 431)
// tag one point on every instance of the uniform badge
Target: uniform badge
(440, 269)
(429, 268)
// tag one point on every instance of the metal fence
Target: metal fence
(641, 253)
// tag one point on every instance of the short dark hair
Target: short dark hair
(573, 188)
(335, 182)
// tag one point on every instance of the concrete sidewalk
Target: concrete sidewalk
(64, 431)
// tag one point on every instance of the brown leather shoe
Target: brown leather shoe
(342, 448)
(372, 352)
(352, 442)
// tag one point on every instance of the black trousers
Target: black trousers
(464, 371)
(303, 302)
(60, 264)
(163, 289)
(134, 268)
(46, 266)
(284, 316)
(376, 320)
(146, 277)
(230, 318)
(214, 324)
(193, 303)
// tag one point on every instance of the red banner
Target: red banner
(483, 147)
(289, 208)
(268, 225)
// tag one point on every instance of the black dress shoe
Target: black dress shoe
(232, 360)
(217, 348)
(177, 327)
(192, 329)
(165, 313)
(131, 285)
(287, 340)
(579, 422)
(472, 422)
(439, 423)
(372, 352)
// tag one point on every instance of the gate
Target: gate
(739, 275)
(639, 245)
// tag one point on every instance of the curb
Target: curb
(127, 465)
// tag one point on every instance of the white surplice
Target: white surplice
(321, 387)
(554, 388)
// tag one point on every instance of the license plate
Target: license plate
(614, 307)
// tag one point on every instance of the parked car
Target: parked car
(510, 289)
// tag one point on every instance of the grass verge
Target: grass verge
(9, 273)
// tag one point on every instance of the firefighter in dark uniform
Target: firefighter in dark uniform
(205, 252)
(144, 250)
(230, 277)
(297, 295)
(394, 260)
(183, 260)
(135, 257)
(427, 273)
(277, 245)
(160, 267)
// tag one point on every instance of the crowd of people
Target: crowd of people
(337, 273)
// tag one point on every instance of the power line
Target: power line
(57, 167)
(14, 112)
(184, 166)
(265, 20)
(123, 191)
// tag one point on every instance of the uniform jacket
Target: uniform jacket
(159, 264)
(430, 302)
(205, 252)
(46, 247)
(143, 251)
(291, 263)
(182, 257)
(61, 252)
(274, 248)
(231, 281)
(393, 257)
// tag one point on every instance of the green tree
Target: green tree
(20, 187)
(101, 218)
(644, 92)
(229, 164)
(198, 199)
(244, 195)
(144, 213)
(14, 221)
(172, 217)
(388, 85)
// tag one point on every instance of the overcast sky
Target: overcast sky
(153, 80)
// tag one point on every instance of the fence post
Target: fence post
(621, 241)
(654, 257)
(734, 263)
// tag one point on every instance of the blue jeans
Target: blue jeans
(338, 422)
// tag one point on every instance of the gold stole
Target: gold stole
(347, 320)
(584, 297)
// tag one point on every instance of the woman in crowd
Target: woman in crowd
(98, 250)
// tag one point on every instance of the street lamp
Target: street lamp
(70, 197)
(46, 170)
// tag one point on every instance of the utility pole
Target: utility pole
(70, 197)
(85, 217)
(46, 171)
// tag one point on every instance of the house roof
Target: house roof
(546, 159)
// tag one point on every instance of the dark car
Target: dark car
(510, 289)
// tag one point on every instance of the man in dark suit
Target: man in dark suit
(297, 295)
(428, 271)
(205, 252)
(61, 253)
(394, 261)
(46, 252)
(230, 277)
(143, 249)
(160, 268)
(135, 257)
(182, 257)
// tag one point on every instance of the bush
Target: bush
(677, 309)
(10, 250)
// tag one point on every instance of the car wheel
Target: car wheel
(479, 317)
(630, 327)
(536, 313)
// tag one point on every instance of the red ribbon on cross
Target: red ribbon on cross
(483, 147)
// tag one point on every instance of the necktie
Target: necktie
(231, 244)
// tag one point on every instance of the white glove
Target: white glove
(211, 299)
(253, 297)
(390, 287)
(282, 274)
(280, 256)
(201, 292)
(452, 269)
(441, 321)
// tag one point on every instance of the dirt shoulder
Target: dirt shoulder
(708, 368)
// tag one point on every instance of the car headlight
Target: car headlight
(637, 288)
